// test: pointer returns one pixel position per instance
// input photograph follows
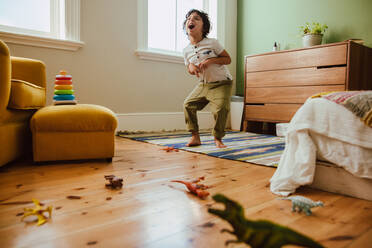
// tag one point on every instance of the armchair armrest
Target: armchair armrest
(4, 76)
(29, 70)
(25, 95)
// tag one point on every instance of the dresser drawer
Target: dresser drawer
(310, 57)
(271, 112)
(297, 77)
(286, 94)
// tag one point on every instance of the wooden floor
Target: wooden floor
(150, 211)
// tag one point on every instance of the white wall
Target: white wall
(107, 72)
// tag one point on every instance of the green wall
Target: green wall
(262, 22)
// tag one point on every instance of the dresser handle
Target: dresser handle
(330, 66)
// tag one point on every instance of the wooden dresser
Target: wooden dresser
(278, 83)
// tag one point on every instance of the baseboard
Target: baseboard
(162, 121)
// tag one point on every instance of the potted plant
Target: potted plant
(312, 34)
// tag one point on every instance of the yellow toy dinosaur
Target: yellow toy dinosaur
(39, 212)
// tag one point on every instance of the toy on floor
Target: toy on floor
(301, 203)
(170, 149)
(63, 89)
(114, 182)
(39, 212)
(195, 187)
(260, 233)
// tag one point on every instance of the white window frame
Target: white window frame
(67, 40)
(146, 53)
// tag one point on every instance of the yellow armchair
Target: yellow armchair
(22, 92)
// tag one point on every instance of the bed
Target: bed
(329, 146)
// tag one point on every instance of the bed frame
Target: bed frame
(329, 177)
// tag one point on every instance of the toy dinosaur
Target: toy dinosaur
(38, 211)
(260, 233)
(114, 182)
(302, 203)
(195, 187)
(170, 149)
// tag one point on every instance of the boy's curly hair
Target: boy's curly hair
(205, 18)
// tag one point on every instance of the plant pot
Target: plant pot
(309, 40)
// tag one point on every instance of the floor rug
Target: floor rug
(254, 148)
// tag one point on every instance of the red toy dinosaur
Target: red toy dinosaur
(195, 187)
(170, 149)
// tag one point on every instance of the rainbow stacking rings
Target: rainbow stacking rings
(63, 89)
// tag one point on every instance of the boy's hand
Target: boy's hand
(193, 69)
(203, 65)
(222, 59)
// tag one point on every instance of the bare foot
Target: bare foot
(219, 143)
(194, 141)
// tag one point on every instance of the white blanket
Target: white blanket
(322, 129)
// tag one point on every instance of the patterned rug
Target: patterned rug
(254, 148)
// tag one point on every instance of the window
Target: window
(50, 23)
(161, 35)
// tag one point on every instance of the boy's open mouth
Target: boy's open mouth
(191, 26)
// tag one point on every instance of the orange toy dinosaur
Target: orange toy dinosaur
(170, 149)
(195, 187)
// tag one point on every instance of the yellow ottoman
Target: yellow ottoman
(71, 132)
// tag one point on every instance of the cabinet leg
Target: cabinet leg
(245, 125)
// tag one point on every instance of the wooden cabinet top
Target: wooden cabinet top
(304, 48)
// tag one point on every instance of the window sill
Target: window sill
(162, 56)
(38, 41)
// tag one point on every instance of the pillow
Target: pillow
(358, 102)
(25, 95)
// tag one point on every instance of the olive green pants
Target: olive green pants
(217, 94)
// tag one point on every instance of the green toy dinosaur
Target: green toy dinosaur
(257, 234)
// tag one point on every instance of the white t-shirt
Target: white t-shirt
(205, 49)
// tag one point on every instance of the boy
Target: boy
(206, 59)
